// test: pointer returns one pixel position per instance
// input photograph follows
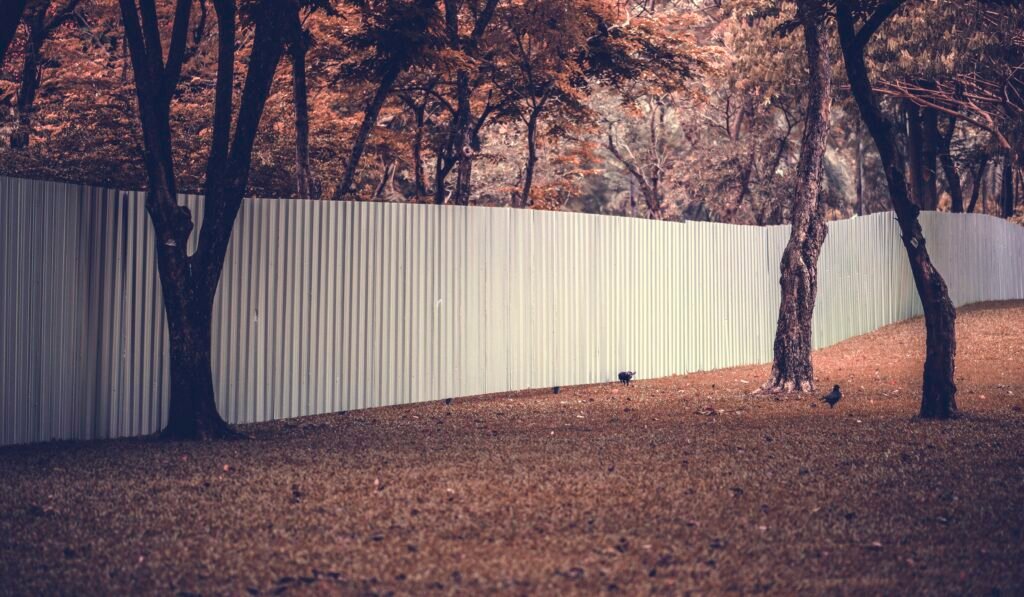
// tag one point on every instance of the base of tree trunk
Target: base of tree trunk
(786, 386)
(938, 391)
(192, 412)
(202, 431)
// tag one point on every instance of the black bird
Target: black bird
(556, 389)
(832, 397)
(626, 376)
(447, 401)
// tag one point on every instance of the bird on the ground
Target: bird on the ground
(832, 397)
(447, 401)
(556, 389)
(626, 376)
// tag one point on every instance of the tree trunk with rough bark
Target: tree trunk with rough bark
(938, 395)
(189, 282)
(792, 369)
(929, 159)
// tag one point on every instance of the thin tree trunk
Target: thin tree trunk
(938, 395)
(929, 159)
(463, 141)
(189, 282)
(385, 179)
(745, 174)
(370, 115)
(192, 412)
(860, 170)
(417, 155)
(1006, 195)
(792, 369)
(35, 23)
(632, 198)
(531, 159)
(300, 100)
(442, 167)
(979, 182)
(956, 191)
(914, 150)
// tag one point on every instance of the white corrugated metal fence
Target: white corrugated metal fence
(328, 306)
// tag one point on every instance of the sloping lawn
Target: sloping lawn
(685, 483)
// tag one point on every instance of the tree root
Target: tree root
(785, 386)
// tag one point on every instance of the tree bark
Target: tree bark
(443, 165)
(860, 170)
(300, 100)
(1007, 201)
(929, 159)
(35, 23)
(531, 154)
(956, 191)
(978, 183)
(10, 18)
(463, 141)
(792, 368)
(938, 396)
(189, 283)
(417, 155)
(38, 29)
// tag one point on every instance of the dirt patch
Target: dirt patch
(684, 483)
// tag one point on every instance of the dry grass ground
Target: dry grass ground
(667, 486)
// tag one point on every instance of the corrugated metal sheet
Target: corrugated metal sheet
(337, 306)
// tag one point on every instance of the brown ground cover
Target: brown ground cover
(670, 485)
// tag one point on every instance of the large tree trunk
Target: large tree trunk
(10, 17)
(189, 282)
(370, 115)
(193, 409)
(300, 100)
(938, 396)
(792, 369)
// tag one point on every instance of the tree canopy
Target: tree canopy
(674, 109)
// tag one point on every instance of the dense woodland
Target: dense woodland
(685, 109)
